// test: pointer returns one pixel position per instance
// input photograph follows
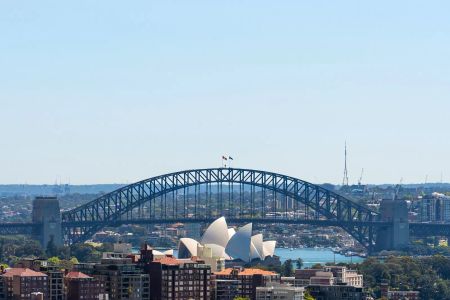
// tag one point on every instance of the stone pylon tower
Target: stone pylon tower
(396, 235)
(47, 215)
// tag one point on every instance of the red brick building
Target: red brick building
(20, 283)
(398, 295)
(174, 279)
(81, 286)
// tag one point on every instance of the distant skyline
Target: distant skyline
(115, 92)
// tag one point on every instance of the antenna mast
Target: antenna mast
(345, 179)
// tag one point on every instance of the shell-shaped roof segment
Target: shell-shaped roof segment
(269, 248)
(216, 233)
(217, 250)
(257, 249)
(254, 254)
(231, 232)
(168, 252)
(187, 248)
(239, 245)
(228, 243)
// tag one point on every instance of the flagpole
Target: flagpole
(230, 159)
(224, 159)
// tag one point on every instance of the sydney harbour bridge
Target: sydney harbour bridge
(241, 195)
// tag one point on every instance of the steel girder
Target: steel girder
(119, 204)
(17, 228)
(429, 229)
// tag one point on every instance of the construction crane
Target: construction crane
(397, 188)
(360, 177)
(424, 186)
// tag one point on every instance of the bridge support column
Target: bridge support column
(395, 236)
(46, 214)
(371, 241)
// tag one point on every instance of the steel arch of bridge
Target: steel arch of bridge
(115, 207)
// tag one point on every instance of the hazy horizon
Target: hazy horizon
(126, 183)
(108, 91)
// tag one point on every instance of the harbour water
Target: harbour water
(313, 256)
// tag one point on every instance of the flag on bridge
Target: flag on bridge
(224, 157)
(230, 158)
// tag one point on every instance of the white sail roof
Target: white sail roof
(216, 233)
(228, 243)
(257, 249)
(217, 250)
(239, 245)
(187, 248)
(269, 248)
(168, 252)
(231, 232)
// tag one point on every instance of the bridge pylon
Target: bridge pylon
(396, 235)
(47, 219)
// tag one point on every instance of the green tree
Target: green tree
(442, 289)
(54, 261)
(287, 268)
(2, 257)
(86, 252)
(66, 264)
(29, 249)
(441, 264)
(308, 296)
(316, 266)
(74, 260)
(16, 247)
(51, 249)
(64, 252)
(299, 263)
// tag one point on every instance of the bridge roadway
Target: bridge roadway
(201, 195)
(324, 223)
(416, 229)
(17, 228)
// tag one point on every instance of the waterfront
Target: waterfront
(312, 256)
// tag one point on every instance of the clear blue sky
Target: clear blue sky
(117, 91)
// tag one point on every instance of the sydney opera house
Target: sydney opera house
(229, 244)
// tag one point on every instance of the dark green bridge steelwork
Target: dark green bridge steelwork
(241, 195)
(157, 198)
